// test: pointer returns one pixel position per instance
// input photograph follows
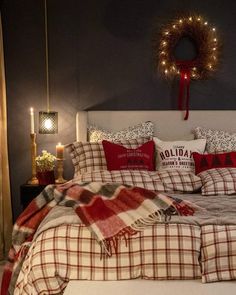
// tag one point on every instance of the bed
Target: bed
(64, 255)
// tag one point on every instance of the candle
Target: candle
(31, 120)
(60, 151)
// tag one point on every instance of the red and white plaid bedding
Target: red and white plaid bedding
(110, 211)
(218, 253)
(218, 181)
(165, 181)
(165, 251)
(70, 252)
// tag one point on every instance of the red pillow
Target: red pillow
(208, 161)
(120, 158)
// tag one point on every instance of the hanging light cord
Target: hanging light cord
(46, 52)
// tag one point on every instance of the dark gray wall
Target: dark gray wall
(100, 58)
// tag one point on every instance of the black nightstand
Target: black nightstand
(28, 192)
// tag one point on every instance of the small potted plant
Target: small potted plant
(45, 164)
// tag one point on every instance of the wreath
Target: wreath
(206, 43)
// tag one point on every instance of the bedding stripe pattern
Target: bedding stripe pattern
(218, 253)
(219, 181)
(71, 252)
(165, 181)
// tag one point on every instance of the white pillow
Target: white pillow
(217, 140)
(145, 129)
(172, 155)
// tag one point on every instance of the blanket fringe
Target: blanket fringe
(110, 245)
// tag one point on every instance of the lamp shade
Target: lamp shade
(48, 122)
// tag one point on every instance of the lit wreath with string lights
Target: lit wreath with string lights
(207, 46)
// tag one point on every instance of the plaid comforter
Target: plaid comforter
(128, 209)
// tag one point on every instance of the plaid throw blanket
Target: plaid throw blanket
(110, 211)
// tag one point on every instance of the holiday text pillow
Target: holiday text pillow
(208, 161)
(217, 140)
(145, 129)
(120, 158)
(172, 155)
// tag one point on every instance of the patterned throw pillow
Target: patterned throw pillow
(219, 181)
(217, 140)
(208, 161)
(89, 156)
(145, 129)
(172, 155)
(119, 157)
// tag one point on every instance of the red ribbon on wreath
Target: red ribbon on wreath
(185, 68)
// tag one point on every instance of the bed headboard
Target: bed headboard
(169, 125)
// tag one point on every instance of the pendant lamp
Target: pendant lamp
(48, 120)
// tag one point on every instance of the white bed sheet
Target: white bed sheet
(141, 287)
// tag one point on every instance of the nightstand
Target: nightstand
(28, 192)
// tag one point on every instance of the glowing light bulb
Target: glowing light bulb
(48, 124)
(167, 33)
(199, 19)
(164, 43)
(174, 26)
(163, 62)
(194, 68)
(206, 23)
(185, 77)
(214, 49)
(190, 18)
(163, 52)
(166, 71)
(210, 66)
(180, 21)
(215, 39)
(213, 29)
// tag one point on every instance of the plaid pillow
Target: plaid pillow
(218, 253)
(89, 156)
(166, 181)
(218, 181)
